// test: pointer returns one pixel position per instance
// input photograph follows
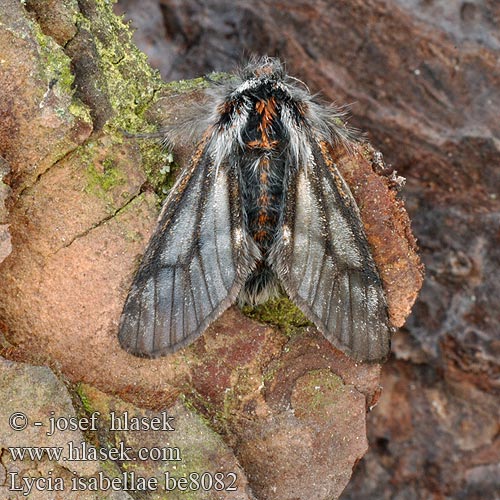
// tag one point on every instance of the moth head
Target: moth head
(258, 72)
(263, 68)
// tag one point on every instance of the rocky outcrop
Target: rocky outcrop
(82, 204)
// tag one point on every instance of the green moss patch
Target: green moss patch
(131, 87)
(130, 83)
(105, 180)
(280, 312)
(158, 165)
(317, 393)
(55, 65)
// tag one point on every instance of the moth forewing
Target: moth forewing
(191, 271)
(326, 266)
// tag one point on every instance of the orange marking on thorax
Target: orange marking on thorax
(260, 235)
(264, 197)
(267, 111)
(264, 170)
(264, 218)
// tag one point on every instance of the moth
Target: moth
(260, 208)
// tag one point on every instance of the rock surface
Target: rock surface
(424, 81)
(185, 442)
(36, 393)
(5, 244)
(81, 211)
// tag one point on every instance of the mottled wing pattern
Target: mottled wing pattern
(324, 262)
(194, 266)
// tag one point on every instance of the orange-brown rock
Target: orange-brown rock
(81, 211)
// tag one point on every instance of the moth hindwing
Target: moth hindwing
(261, 207)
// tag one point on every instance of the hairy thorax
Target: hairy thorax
(263, 170)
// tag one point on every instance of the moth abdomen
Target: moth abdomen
(262, 168)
